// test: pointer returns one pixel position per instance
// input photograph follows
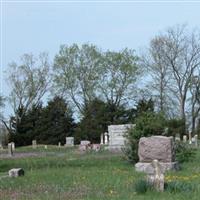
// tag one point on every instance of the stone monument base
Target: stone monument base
(146, 167)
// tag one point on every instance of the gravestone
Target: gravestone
(69, 142)
(10, 150)
(190, 137)
(196, 140)
(159, 148)
(59, 144)
(117, 136)
(185, 138)
(177, 137)
(15, 172)
(105, 138)
(45, 147)
(102, 142)
(34, 144)
(155, 175)
(96, 147)
(84, 145)
(13, 146)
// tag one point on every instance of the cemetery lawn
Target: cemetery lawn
(55, 174)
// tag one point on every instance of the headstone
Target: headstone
(45, 147)
(69, 141)
(196, 140)
(59, 144)
(177, 137)
(102, 138)
(10, 150)
(106, 138)
(156, 176)
(159, 148)
(13, 146)
(96, 147)
(15, 172)
(117, 136)
(190, 137)
(34, 144)
(185, 138)
(84, 145)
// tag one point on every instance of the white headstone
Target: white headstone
(34, 144)
(69, 141)
(101, 138)
(15, 172)
(185, 138)
(196, 140)
(10, 150)
(106, 138)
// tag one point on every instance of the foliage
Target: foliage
(176, 186)
(176, 126)
(97, 115)
(184, 152)
(147, 124)
(141, 186)
(48, 125)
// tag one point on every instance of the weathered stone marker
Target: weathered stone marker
(177, 137)
(155, 176)
(15, 172)
(159, 148)
(190, 137)
(69, 142)
(34, 144)
(196, 140)
(84, 145)
(10, 150)
(102, 139)
(45, 147)
(185, 138)
(59, 144)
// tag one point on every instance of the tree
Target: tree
(29, 82)
(97, 116)
(120, 73)
(56, 122)
(155, 65)
(76, 73)
(181, 53)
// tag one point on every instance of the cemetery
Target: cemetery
(99, 100)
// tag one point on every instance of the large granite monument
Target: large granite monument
(159, 148)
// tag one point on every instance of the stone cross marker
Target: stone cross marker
(10, 150)
(156, 176)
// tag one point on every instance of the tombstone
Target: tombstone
(117, 137)
(159, 148)
(155, 176)
(10, 150)
(1, 146)
(102, 139)
(185, 138)
(177, 137)
(59, 144)
(69, 141)
(15, 172)
(196, 140)
(34, 144)
(190, 137)
(45, 147)
(106, 138)
(96, 147)
(84, 145)
(13, 146)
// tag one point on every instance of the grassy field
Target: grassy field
(66, 174)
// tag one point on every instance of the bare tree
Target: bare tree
(29, 82)
(181, 52)
(158, 71)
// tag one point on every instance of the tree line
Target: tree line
(107, 86)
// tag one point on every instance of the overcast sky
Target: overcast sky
(33, 27)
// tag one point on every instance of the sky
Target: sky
(37, 26)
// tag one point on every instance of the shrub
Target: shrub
(176, 186)
(147, 124)
(184, 152)
(141, 186)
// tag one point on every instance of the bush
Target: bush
(141, 186)
(184, 152)
(176, 186)
(147, 124)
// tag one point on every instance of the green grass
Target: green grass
(66, 174)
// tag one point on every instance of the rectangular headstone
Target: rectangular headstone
(69, 141)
